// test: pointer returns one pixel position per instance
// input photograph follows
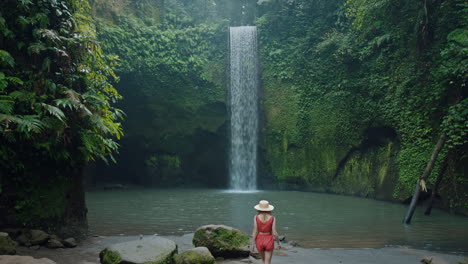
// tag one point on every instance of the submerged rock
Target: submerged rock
(199, 255)
(24, 260)
(7, 245)
(154, 250)
(222, 241)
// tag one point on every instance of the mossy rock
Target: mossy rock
(154, 250)
(222, 241)
(199, 255)
(7, 245)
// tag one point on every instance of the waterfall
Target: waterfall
(243, 108)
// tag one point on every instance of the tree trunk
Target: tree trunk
(427, 172)
(75, 214)
(442, 170)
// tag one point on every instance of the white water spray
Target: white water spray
(243, 108)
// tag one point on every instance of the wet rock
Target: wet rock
(69, 242)
(222, 241)
(36, 247)
(13, 232)
(54, 243)
(199, 255)
(24, 260)
(32, 237)
(7, 245)
(38, 237)
(23, 240)
(282, 238)
(54, 237)
(154, 250)
(426, 261)
(294, 244)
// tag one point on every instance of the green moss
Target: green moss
(7, 245)
(191, 257)
(220, 240)
(109, 257)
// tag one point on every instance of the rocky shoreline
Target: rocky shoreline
(87, 252)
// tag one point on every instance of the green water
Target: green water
(314, 220)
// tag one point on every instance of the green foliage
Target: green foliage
(455, 124)
(360, 64)
(110, 257)
(55, 95)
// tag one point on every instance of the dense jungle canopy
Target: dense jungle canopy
(355, 95)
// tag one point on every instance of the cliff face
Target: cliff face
(349, 105)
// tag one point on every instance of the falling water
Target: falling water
(243, 108)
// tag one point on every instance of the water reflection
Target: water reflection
(315, 220)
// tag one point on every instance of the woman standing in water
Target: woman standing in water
(264, 231)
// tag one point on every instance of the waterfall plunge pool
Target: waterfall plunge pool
(312, 219)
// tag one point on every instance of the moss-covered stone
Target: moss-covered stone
(154, 250)
(199, 255)
(7, 245)
(109, 257)
(222, 241)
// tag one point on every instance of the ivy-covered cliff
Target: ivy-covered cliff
(357, 94)
(172, 69)
(354, 95)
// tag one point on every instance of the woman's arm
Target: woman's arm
(275, 233)
(254, 235)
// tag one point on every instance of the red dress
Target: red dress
(264, 242)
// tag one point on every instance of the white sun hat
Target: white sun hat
(264, 205)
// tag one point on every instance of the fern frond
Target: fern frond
(99, 124)
(29, 124)
(49, 34)
(6, 106)
(22, 95)
(6, 59)
(36, 48)
(73, 96)
(64, 103)
(55, 111)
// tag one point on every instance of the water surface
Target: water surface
(314, 220)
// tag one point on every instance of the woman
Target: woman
(264, 231)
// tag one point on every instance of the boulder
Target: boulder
(13, 232)
(54, 243)
(32, 237)
(69, 242)
(24, 260)
(7, 245)
(38, 237)
(222, 241)
(154, 250)
(36, 247)
(23, 240)
(199, 255)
